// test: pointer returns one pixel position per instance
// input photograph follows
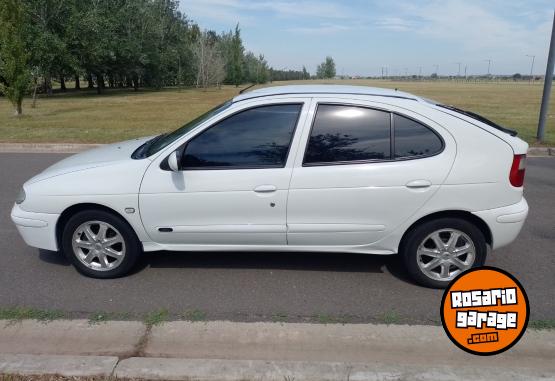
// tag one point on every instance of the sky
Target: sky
(404, 36)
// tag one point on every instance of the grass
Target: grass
(194, 315)
(328, 319)
(542, 324)
(102, 317)
(279, 317)
(84, 117)
(16, 314)
(156, 317)
(22, 313)
(390, 317)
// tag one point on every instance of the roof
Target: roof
(323, 89)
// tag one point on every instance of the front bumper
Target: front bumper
(36, 229)
(505, 223)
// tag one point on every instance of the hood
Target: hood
(97, 157)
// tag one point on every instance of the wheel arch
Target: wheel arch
(72, 210)
(472, 218)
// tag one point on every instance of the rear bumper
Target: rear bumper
(36, 229)
(505, 223)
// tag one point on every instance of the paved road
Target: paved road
(259, 286)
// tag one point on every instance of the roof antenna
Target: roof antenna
(246, 88)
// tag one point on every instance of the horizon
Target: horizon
(411, 39)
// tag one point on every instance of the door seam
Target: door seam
(310, 103)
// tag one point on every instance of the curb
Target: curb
(541, 151)
(69, 366)
(45, 147)
(233, 370)
(71, 337)
(242, 370)
(232, 351)
(76, 148)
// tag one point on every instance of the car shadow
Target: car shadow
(53, 257)
(334, 262)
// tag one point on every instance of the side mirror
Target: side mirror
(173, 161)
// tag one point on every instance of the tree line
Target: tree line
(118, 43)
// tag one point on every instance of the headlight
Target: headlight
(20, 197)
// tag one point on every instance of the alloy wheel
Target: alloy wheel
(445, 253)
(98, 245)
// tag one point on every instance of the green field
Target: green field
(84, 117)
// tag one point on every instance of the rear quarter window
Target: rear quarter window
(413, 139)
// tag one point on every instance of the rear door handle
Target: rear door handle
(418, 184)
(265, 189)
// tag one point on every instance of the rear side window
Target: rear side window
(348, 133)
(413, 138)
(255, 138)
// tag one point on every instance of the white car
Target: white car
(317, 168)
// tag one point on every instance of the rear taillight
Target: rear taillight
(516, 177)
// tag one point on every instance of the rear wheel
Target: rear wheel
(436, 251)
(100, 244)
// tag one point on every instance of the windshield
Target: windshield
(155, 145)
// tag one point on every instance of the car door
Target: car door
(233, 182)
(366, 168)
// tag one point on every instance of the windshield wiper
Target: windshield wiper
(479, 118)
(140, 153)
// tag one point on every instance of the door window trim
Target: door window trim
(391, 137)
(183, 147)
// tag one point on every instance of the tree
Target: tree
(320, 71)
(15, 76)
(284, 75)
(236, 58)
(262, 70)
(209, 62)
(256, 68)
(126, 43)
(326, 69)
(47, 39)
(306, 74)
(92, 38)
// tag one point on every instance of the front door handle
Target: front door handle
(418, 184)
(265, 189)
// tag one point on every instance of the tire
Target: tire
(434, 264)
(92, 238)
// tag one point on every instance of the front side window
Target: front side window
(413, 138)
(162, 141)
(255, 138)
(348, 133)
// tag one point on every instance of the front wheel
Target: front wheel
(436, 251)
(100, 244)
